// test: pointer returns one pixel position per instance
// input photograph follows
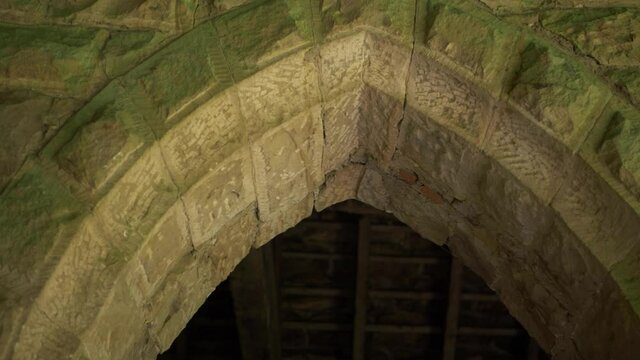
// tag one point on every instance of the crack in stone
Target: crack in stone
(407, 79)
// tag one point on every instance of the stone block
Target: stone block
(288, 162)
(557, 92)
(448, 99)
(606, 224)
(119, 327)
(162, 250)
(342, 63)
(528, 152)
(340, 185)
(204, 138)
(341, 118)
(474, 40)
(219, 196)
(140, 197)
(185, 288)
(279, 92)
(386, 65)
(379, 118)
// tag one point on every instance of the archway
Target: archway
(297, 298)
(512, 183)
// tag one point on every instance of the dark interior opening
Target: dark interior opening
(352, 282)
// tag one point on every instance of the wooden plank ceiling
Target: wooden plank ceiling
(353, 283)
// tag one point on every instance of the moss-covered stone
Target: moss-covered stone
(557, 91)
(473, 39)
(251, 33)
(609, 35)
(126, 48)
(619, 146)
(627, 79)
(51, 59)
(28, 120)
(396, 16)
(38, 213)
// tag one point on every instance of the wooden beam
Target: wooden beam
(316, 326)
(409, 259)
(404, 329)
(256, 302)
(362, 274)
(322, 292)
(453, 310)
(410, 295)
(498, 332)
(314, 256)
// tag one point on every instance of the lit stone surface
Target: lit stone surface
(146, 150)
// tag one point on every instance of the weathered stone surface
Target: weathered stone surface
(183, 292)
(556, 92)
(609, 35)
(387, 65)
(528, 152)
(140, 197)
(162, 15)
(119, 318)
(257, 35)
(78, 282)
(28, 120)
(441, 95)
(627, 79)
(219, 196)
(165, 246)
(614, 143)
(372, 191)
(98, 151)
(342, 138)
(593, 340)
(428, 218)
(287, 162)
(204, 138)
(479, 44)
(378, 119)
(222, 122)
(168, 80)
(340, 185)
(341, 66)
(266, 98)
(39, 216)
(434, 154)
(608, 227)
(515, 6)
(56, 61)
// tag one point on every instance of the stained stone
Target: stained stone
(148, 145)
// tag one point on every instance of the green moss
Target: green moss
(174, 75)
(301, 14)
(58, 53)
(556, 90)
(397, 15)
(249, 33)
(610, 35)
(125, 49)
(628, 80)
(35, 209)
(61, 8)
(472, 38)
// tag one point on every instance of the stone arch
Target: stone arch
(511, 184)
